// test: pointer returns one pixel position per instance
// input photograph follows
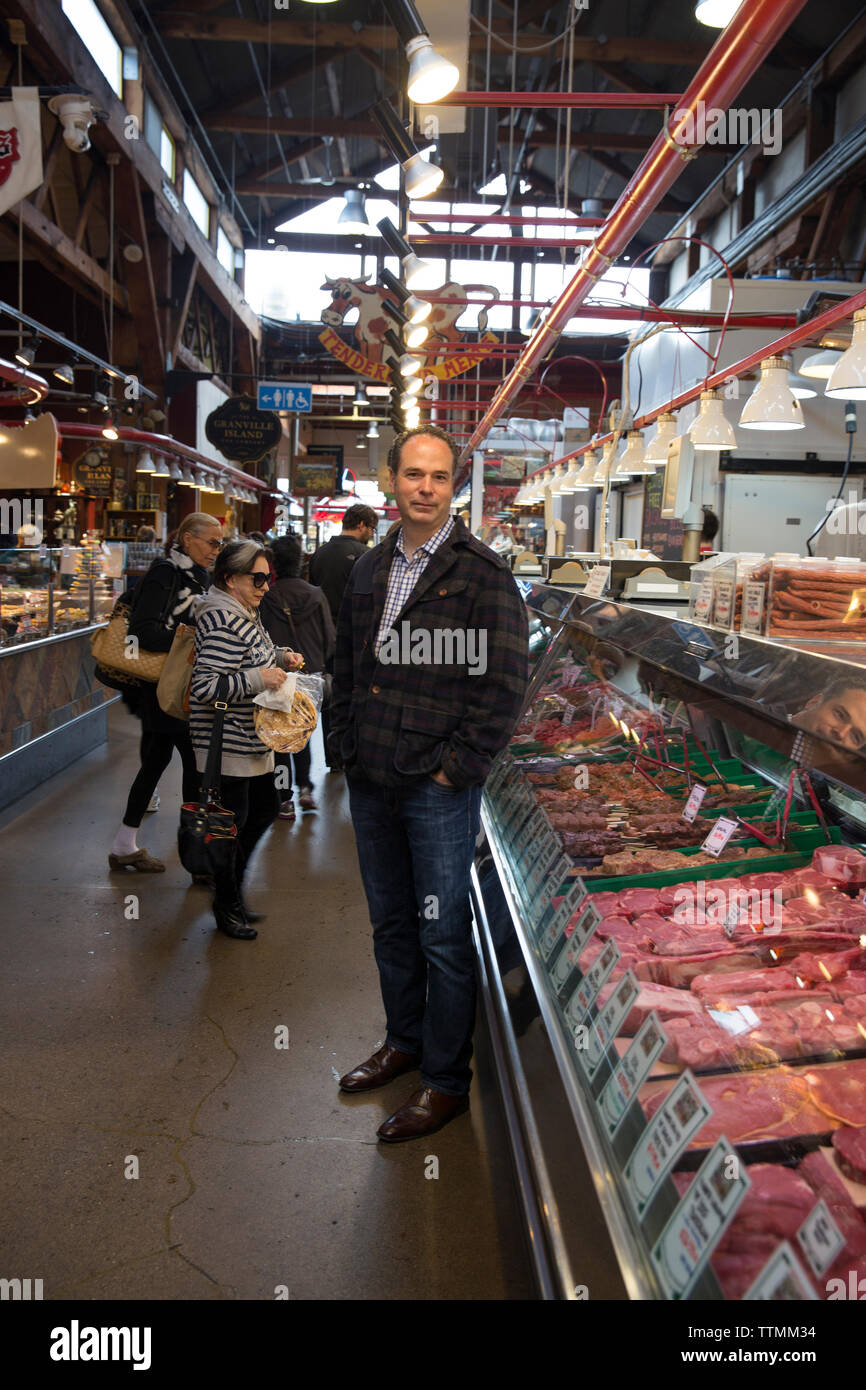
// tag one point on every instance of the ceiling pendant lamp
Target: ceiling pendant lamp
(716, 14)
(26, 353)
(414, 269)
(801, 387)
(109, 431)
(848, 382)
(431, 77)
(373, 430)
(632, 461)
(820, 364)
(569, 481)
(772, 406)
(557, 478)
(710, 429)
(353, 218)
(65, 372)
(421, 178)
(145, 463)
(586, 476)
(406, 363)
(416, 310)
(161, 469)
(666, 430)
(603, 471)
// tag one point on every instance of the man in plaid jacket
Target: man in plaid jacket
(430, 674)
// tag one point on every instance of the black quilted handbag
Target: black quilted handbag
(207, 836)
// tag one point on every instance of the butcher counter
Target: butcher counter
(671, 945)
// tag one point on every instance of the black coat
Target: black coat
(331, 566)
(160, 600)
(296, 615)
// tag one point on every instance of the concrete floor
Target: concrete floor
(137, 1039)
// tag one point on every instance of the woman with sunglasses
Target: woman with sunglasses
(231, 641)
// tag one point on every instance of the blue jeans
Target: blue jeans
(415, 849)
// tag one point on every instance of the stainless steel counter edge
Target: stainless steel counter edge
(55, 637)
(623, 1238)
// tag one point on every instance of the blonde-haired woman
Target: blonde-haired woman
(167, 595)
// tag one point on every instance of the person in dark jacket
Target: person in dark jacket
(430, 674)
(296, 614)
(164, 597)
(330, 568)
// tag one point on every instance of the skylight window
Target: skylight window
(196, 203)
(87, 20)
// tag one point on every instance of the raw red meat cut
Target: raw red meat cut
(850, 1146)
(840, 1091)
(711, 986)
(637, 900)
(841, 863)
(772, 1104)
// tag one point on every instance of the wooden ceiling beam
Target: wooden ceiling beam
(292, 125)
(61, 248)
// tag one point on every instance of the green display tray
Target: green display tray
(804, 842)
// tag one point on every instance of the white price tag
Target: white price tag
(700, 1220)
(752, 618)
(568, 715)
(704, 600)
(820, 1239)
(781, 1280)
(586, 992)
(693, 805)
(724, 601)
(675, 1122)
(607, 1025)
(719, 836)
(599, 578)
(628, 1077)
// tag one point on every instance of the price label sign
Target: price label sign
(724, 601)
(630, 1073)
(568, 715)
(540, 903)
(587, 990)
(671, 1128)
(693, 805)
(554, 931)
(574, 948)
(526, 839)
(820, 1239)
(599, 578)
(552, 876)
(704, 600)
(752, 619)
(608, 1024)
(782, 1279)
(719, 836)
(700, 1220)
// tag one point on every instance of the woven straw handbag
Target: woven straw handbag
(119, 655)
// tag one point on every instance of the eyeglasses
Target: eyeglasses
(259, 579)
(213, 545)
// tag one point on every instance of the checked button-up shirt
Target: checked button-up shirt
(404, 576)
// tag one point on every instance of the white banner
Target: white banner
(20, 146)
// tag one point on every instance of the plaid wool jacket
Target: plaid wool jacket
(420, 707)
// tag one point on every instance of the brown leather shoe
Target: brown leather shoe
(423, 1113)
(379, 1069)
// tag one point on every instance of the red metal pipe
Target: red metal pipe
(813, 329)
(579, 101)
(635, 313)
(464, 239)
(733, 59)
(501, 220)
(21, 379)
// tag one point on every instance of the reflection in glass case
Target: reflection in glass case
(670, 914)
(47, 591)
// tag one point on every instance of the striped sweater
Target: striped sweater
(230, 640)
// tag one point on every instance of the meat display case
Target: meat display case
(679, 1031)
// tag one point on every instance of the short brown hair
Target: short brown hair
(434, 432)
(359, 515)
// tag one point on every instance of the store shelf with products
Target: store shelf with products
(670, 919)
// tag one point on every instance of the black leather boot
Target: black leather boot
(231, 920)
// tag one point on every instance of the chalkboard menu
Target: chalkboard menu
(662, 535)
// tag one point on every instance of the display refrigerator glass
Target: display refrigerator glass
(48, 591)
(671, 925)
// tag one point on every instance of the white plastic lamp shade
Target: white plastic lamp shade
(422, 177)
(716, 14)
(431, 77)
(711, 430)
(162, 469)
(569, 482)
(373, 430)
(417, 311)
(657, 450)
(771, 405)
(408, 402)
(802, 388)
(174, 471)
(848, 382)
(518, 499)
(588, 469)
(353, 218)
(557, 478)
(409, 365)
(821, 364)
(200, 480)
(603, 472)
(414, 272)
(361, 442)
(109, 431)
(145, 463)
(414, 334)
(632, 461)
(187, 479)
(413, 386)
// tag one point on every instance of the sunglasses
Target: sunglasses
(259, 579)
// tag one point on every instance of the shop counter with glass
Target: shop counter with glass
(53, 708)
(670, 919)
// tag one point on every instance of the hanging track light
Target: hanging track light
(416, 310)
(353, 218)
(421, 177)
(26, 354)
(431, 77)
(408, 365)
(848, 381)
(414, 269)
(414, 334)
(772, 406)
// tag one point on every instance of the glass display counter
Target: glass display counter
(48, 591)
(671, 928)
